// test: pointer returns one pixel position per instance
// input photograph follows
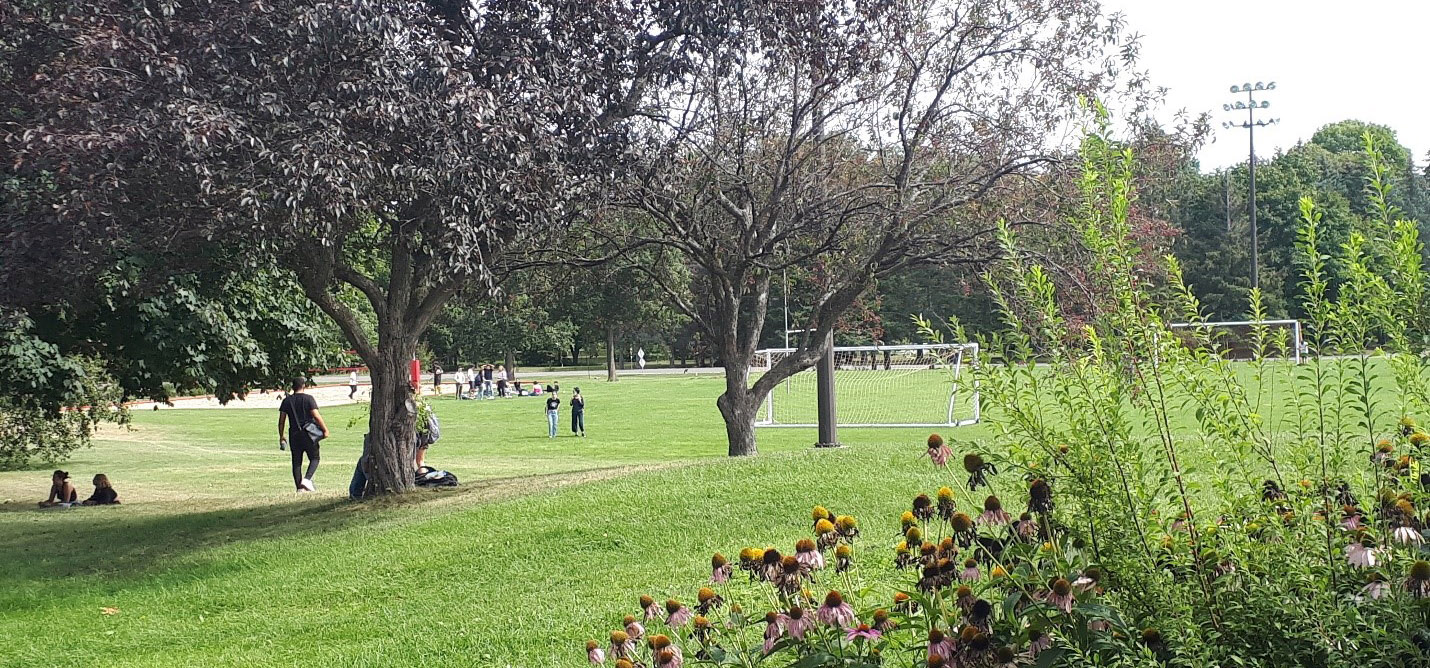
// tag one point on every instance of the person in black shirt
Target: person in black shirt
(578, 413)
(104, 494)
(297, 411)
(62, 493)
(553, 406)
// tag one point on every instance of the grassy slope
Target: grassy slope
(213, 560)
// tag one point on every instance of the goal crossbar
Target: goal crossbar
(951, 357)
(1297, 345)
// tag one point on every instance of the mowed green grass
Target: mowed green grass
(214, 561)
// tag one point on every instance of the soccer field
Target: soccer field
(214, 560)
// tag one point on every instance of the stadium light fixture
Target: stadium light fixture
(1250, 124)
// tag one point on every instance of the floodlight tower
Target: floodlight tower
(1250, 124)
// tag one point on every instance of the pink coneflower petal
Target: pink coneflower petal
(635, 630)
(1361, 556)
(1408, 536)
(862, 631)
(596, 656)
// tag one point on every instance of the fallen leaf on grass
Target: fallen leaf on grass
(109, 611)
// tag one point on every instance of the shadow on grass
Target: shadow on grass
(41, 546)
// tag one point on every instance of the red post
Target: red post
(414, 369)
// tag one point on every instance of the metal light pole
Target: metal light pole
(1250, 124)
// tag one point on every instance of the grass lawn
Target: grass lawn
(214, 561)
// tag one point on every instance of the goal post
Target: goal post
(1248, 339)
(879, 386)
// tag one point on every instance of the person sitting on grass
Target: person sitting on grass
(104, 494)
(62, 493)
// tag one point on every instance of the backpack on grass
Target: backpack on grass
(430, 477)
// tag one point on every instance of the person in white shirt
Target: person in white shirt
(457, 380)
(501, 380)
(474, 380)
(352, 383)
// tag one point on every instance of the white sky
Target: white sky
(1331, 60)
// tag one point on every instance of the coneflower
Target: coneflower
(594, 654)
(1060, 595)
(923, 507)
(1271, 492)
(1040, 496)
(774, 628)
(792, 574)
(677, 615)
(624, 663)
(707, 600)
(940, 644)
(938, 451)
(702, 629)
(1005, 657)
(945, 504)
(1026, 528)
(907, 520)
(993, 513)
(1419, 439)
(770, 562)
(826, 533)
(1038, 641)
(622, 645)
(669, 657)
(914, 536)
(1383, 453)
(862, 632)
(882, 621)
(1418, 584)
(903, 603)
(964, 597)
(903, 558)
(1361, 553)
(963, 528)
(980, 615)
(806, 553)
(648, 606)
(719, 569)
(821, 513)
(977, 470)
(796, 623)
(750, 560)
(634, 629)
(1088, 580)
(970, 570)
(1407, 425)
(835, 612)
(1375, 586)
(1351, 518)
(848, 527)
(843, 558)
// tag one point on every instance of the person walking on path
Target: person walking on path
(352, 383)
(553, 408)
(299, 411)
(578, 413)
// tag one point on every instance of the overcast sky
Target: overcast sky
(1331, 60)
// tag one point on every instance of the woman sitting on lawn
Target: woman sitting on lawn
(62, 493)
(104, 494)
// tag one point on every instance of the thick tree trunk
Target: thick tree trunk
(393, 418)
(738, 408)
(610, 354)
(510, 365)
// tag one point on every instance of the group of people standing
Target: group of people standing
(553, 411)
(484, 382)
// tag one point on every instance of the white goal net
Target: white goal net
(1245, 339)
(879, 386)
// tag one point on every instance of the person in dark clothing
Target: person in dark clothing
(298, 410)
(62, 493)
(104, 494)
(578, 413)
(553, 407)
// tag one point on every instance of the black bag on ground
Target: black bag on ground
(430, 477)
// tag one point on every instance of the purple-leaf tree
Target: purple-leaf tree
(400, 150)
(850, 141)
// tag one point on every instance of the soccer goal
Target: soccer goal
(1245, 339)
(879, 386)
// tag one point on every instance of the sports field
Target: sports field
(213, 560)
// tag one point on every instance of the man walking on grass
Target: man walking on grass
(300, 413)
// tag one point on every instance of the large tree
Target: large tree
(852, 140)
(398, 148)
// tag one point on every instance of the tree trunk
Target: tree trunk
(510, 365)
(610, 354)
(738, 408)
(392, 421)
